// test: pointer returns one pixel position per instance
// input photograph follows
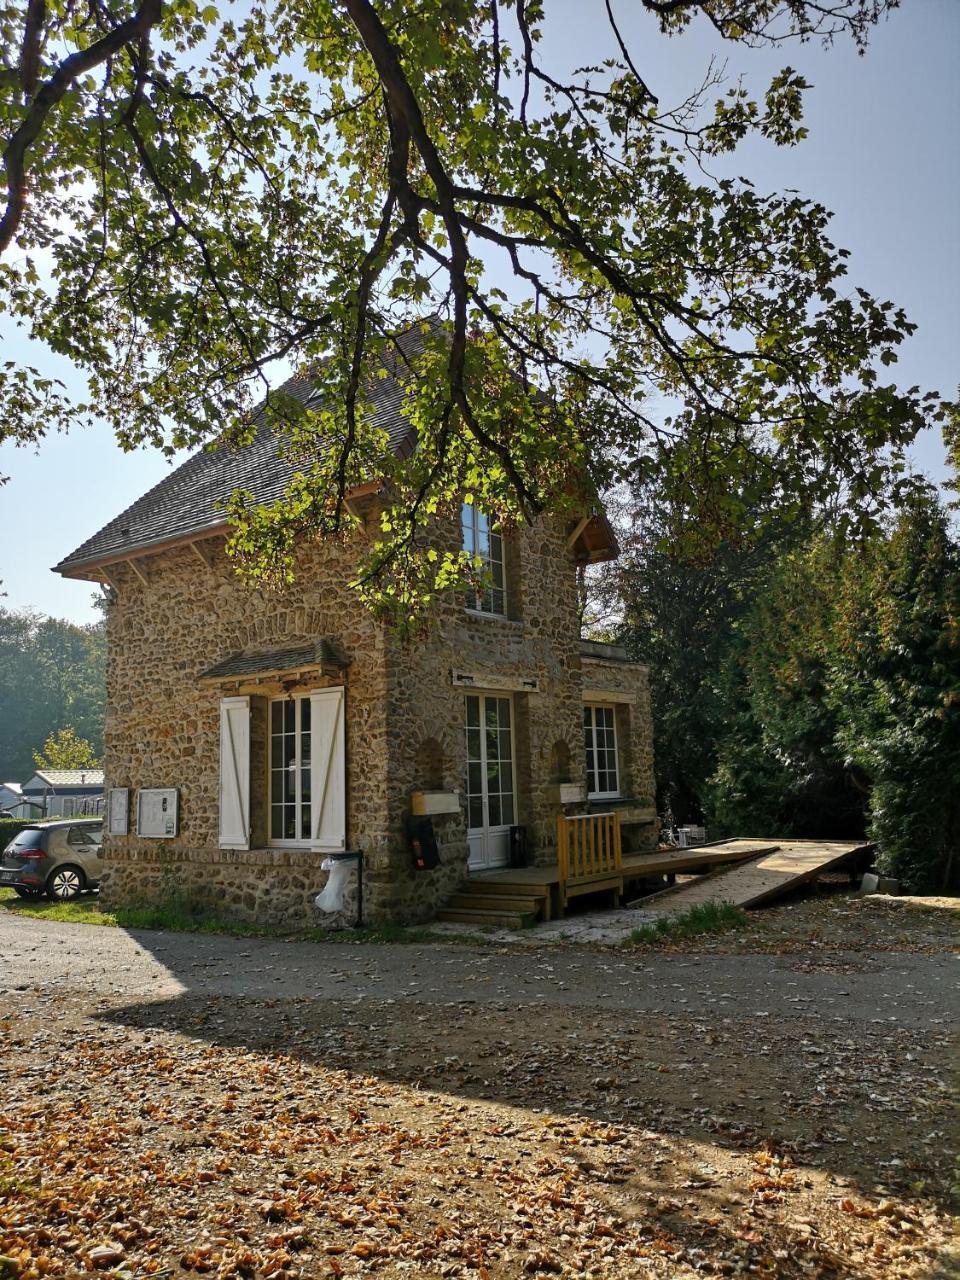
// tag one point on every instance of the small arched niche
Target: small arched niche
(559, 764)
(429, 766)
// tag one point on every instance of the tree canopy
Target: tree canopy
(51, 676)
(804, 686)
(198, 195)
(65, 749)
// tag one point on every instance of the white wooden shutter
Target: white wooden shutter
(235, 773)
(328, 778)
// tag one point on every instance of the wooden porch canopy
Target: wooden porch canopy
(322, 656)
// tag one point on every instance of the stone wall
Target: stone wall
(626, 685)
(538, 641)
(274, 887)
(404, 720)
(163, 729)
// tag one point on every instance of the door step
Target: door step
(505, 906)
(503, 888)
(499, 902)
(497, 919)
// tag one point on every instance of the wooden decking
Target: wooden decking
(752, 883)
(637, 866)
(515, 896)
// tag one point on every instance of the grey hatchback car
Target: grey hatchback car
(60, 859)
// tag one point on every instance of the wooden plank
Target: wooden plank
(757, 881)
(675, 861)
(540, 877)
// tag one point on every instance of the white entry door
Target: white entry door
(490, 784)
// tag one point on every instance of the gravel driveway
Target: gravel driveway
(903, 988)
(179, 1104)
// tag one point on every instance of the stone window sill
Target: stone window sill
(512, 623)
(172, 854)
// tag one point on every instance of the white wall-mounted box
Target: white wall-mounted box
(158, 812)
(570, 793)
(424, 803)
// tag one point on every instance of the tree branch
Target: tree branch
(50, 93)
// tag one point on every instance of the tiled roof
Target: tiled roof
(187, 501)
(71, 777)
(321, 654)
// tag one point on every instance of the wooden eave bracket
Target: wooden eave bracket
(97, 570)
(201, 555)
(138, 571)
(291, 674)
(577, 529)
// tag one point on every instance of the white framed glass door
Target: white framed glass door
(491, 792)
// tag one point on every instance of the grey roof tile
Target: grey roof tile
(187, 501)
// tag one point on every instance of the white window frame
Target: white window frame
(492, 555)
(590, 748)
(280, 842)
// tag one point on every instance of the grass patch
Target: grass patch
(705, 917)
(182, 916)
(83, 910)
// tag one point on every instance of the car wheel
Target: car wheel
(65, 884)
(21, 892)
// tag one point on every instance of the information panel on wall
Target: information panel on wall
(157, 813)
(118, 813)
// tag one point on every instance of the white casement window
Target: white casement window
(600, 740)
(303, 772)
(484, 545)
(290, 771)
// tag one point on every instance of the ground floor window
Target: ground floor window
(600, 741)
(290, 740)
(283, 771)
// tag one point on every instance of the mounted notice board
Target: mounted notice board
(158, 813)
(119, 810)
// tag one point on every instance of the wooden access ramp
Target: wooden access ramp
(751, 883)
(671, 862)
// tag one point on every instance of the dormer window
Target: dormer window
(482, 543)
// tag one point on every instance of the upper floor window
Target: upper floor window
(483, 543)
(600, 740)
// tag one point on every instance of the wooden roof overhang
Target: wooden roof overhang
(97, 568)
(592, 538)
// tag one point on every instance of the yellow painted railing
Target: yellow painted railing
(588, 847)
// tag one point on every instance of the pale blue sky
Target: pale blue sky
(883, 154)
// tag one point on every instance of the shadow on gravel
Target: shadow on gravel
(856, 1101)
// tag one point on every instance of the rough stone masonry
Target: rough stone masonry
(181, 610)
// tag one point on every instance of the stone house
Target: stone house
(293, 725)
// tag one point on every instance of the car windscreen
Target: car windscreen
(31, 838)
